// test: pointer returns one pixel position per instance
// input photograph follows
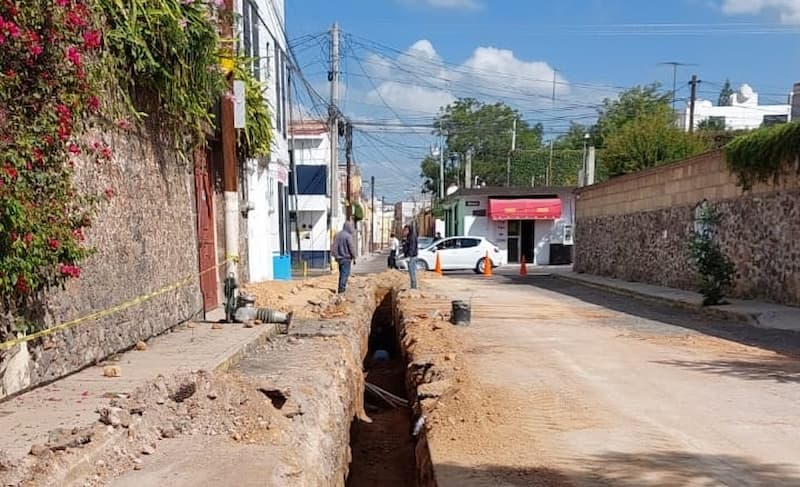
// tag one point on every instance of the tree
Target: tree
(486, 130)
(631, 104)
(712, 124)
(430, 174)
(574, 138)
(647, 141)
(726, 94)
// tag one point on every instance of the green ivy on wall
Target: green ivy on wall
(255, 140)
(764, 155)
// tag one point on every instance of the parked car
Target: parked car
(424, 242)
(457, 253)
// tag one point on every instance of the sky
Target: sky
(401, 60)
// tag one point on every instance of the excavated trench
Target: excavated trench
(383, 451)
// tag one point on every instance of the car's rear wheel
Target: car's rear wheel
(480, 267)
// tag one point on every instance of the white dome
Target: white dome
(746, 95)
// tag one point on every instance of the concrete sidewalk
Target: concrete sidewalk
(74, 400)
(757, 313)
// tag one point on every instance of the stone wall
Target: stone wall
(637, 228)
(145, 238)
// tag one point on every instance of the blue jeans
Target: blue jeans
(344, 273)
(412, 271)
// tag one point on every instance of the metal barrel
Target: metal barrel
(460, 314)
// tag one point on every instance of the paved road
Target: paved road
(598, 389)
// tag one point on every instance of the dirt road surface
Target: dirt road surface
(581, 387)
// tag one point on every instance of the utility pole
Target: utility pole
(693, 101)
(468, 170)
(511, 152)
(230, 172)
(348, 153)
(675, 65)
(441, 163)
(333, 115)
(372, 212)
(383, 218)
(549, 178)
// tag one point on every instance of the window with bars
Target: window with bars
(250, 36)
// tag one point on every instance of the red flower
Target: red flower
(64, 113)
(10, 171)
(22, 285)
(106, 153)
(53, 244)
(14, 236)
(70, 270)
(48, 139)
(91, 39)
(77, 234)
(93, 104)
(76, 18)
(74, 56)
(74, 149)
(38, 155)
(62, 3)
(109, 193)
(64, 131)
(28, 238)
(35, 49)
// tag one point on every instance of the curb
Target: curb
(713, 312)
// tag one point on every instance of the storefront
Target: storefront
(534, 223)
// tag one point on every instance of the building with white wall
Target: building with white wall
(262, 36)
(309, 200)
(743, 112)
(536, 223)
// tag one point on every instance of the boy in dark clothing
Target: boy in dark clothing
(344, 251)
(411, 250)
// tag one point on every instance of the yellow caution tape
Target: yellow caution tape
(109, 311)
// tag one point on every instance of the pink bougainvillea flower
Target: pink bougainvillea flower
(28, 238)
(64, 113)
(109, 193)
(74, 56)
(70, 270)
(10, 171)
(22, 285)
(91, 39)
(64, 131)
(73, 148)
(54, 244)
(93, 104)
(77, 234)
(13, 236)
(76, 18)
(38, 154)
(183, 23)
(62, 3)
(105, 153)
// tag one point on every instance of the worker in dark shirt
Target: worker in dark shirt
(410, 251)
(344, 251)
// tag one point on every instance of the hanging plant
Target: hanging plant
(255, 140)
(49, 52)
(765, 155)
(169, 50)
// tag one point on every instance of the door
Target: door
(205, 230)
(514, 242)
(448, 253)
(470, 252)
(528, 241)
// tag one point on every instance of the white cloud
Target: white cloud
(468, 5)
(789, 10)
(418, 80)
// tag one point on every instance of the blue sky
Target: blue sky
(404, 58)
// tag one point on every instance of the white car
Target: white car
(457, 253)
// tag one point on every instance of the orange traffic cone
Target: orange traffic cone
(523, 267)
(438, 268)
(487, 266)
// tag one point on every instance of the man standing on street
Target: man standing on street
(394, 246)
(344, 251)
(410, 251)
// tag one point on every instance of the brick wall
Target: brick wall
(636, 227)
(145, 238)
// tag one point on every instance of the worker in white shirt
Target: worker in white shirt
(394, 246)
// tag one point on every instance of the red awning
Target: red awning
(527, 209)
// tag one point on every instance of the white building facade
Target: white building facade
(261, 31)
(309, 202)
(743, 112)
